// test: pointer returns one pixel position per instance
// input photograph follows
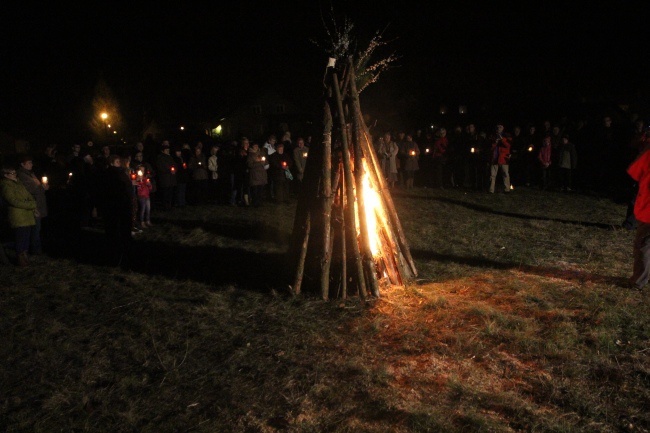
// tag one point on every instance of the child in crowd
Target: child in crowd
(143, 192)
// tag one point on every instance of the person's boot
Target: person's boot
(22, 259)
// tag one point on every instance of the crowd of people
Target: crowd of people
(118, 188)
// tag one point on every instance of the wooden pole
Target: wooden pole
(349, 184)
(344, 258)
(300, 269)
(326, 193)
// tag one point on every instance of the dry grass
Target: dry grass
(518, 322)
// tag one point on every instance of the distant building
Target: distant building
(256, 118)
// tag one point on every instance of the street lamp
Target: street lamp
(104, 117)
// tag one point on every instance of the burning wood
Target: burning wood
(345, 219)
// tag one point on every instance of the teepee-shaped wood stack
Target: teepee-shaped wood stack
(347, 238)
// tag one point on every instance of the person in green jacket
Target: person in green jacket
(21, 211)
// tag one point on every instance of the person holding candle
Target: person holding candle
(412, 153)
(182, 177)
(198, 165)
(257, 176)
(143, 189)
(21, 212)
(37, 189)
(279, 170)
(300, 153)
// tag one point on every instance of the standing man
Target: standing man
(499, 159)
(166, 173)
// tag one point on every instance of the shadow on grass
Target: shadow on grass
(487, 209)
(211, 265)
(238, 231)
(545, 271)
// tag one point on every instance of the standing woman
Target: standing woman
(411, 155)
(213, 169)
(257, 177)
(21, 211)
(37, 189)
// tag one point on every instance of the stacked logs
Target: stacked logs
(331, 247)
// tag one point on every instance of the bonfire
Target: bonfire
(347, 238)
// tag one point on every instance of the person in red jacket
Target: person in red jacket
(639, 170)
(500, 159)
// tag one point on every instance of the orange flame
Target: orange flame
(374, 213)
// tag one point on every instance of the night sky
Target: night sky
(180, 64)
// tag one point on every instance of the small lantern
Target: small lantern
(173, 169)
(412, 153)
(185, 165)
(140, 173)
(472, 150)
(44, 180)
(133, 176)
(427, 150)
(284, 164)
(263, 158)
(530, 148)
(304, 154)
(69, 175)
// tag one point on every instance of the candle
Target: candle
(530, 148)
(173, 169)
(69, 175)
(184, 165)
(472, 150)
(140, 173)
(413, 153)
(263, 159)
(427, 150)
(284, 164)
(304, 155)
(132, 176)
(44, 180)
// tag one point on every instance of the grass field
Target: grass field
(519, 321)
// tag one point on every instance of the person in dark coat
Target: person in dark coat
(182, 177)
(240, 168)
(279, 165)
(166, 175)
(116, 205)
